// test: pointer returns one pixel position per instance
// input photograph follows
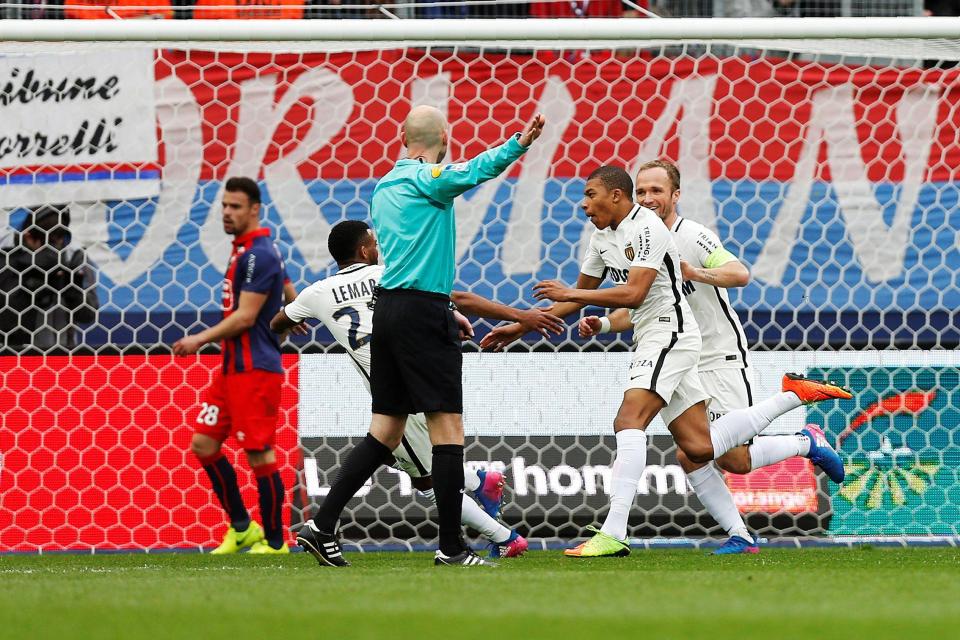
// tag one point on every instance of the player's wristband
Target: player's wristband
(604, 325)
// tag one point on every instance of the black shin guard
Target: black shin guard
(447, 475)
(366, 457)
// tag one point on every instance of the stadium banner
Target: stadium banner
(95, 453)
(901, 444)
(78, 127)
(546, 420)
(94, 450)
(804, 169)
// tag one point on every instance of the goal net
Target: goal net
(827, 165)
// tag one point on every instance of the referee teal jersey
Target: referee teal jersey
(412, 210)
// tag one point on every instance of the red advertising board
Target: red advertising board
(95, 452)
(336, 115)
(789, 486)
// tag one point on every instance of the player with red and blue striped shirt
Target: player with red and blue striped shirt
(244, 397)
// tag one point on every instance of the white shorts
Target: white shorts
(728, 390)
(666, 363)
(414, 456)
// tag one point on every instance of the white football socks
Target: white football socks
(772, 449)
(476, 518)
(471, 481)
(712, 490)
(627, 470)
(739, 426)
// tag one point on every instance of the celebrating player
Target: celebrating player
(342, 303)
(635, 247)
(244, 398)
(708, 270)
(415, 355)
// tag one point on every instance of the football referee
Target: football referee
(415, 351)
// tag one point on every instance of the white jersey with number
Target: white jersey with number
(641, 240)
(341, 303)
(724, 344)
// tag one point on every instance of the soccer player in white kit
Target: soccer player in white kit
(708, 270)
(632, 245)
(341, 303)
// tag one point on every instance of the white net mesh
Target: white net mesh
(828, 168)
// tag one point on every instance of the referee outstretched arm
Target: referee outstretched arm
(415, 353)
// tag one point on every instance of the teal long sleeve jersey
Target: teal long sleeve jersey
(412, 210)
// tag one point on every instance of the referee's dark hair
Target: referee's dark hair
(612, 178)
(345, 239)
(244, 185)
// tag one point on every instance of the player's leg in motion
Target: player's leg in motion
(211, 427)
(737, 427)
(414, 457)
(319, 535)
(638, 408)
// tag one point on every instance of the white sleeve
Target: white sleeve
(651, 243)
(593, 264)
(306, 305)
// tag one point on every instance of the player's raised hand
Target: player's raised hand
(466, 329)
(502, 336)
(540, 321)
(551, 290)
(687, 270)
(589, 326)
(533, 130)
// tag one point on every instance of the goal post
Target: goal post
(823, 152)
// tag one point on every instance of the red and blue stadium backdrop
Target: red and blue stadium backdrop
(836, 184)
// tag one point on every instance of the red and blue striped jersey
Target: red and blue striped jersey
(255, 266)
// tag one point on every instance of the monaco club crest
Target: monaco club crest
(629, 252)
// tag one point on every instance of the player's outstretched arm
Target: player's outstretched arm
(630, 295)
(728, 275)
(616, 322)
(233, 325)
(539, 320)
(446, 182)
(503, 336)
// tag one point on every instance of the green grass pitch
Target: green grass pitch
(908, 594)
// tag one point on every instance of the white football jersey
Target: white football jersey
(724, 343)
(642, 240)
(341, 303)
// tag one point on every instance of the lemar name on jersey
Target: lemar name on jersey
(642, 240)
(341, 303)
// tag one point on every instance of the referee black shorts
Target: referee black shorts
(415, 357)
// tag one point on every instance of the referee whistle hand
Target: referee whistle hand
(541, 322)
(466, 329)
(533, 130)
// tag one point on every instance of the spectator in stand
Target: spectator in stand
(46, 286)
(585, 9)
(34, 10)
(432, 10)
(501, 10)
(759, 8)
(941, 8)
(248, 9)
(106, 9)
(331, 10)
(818, 8)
